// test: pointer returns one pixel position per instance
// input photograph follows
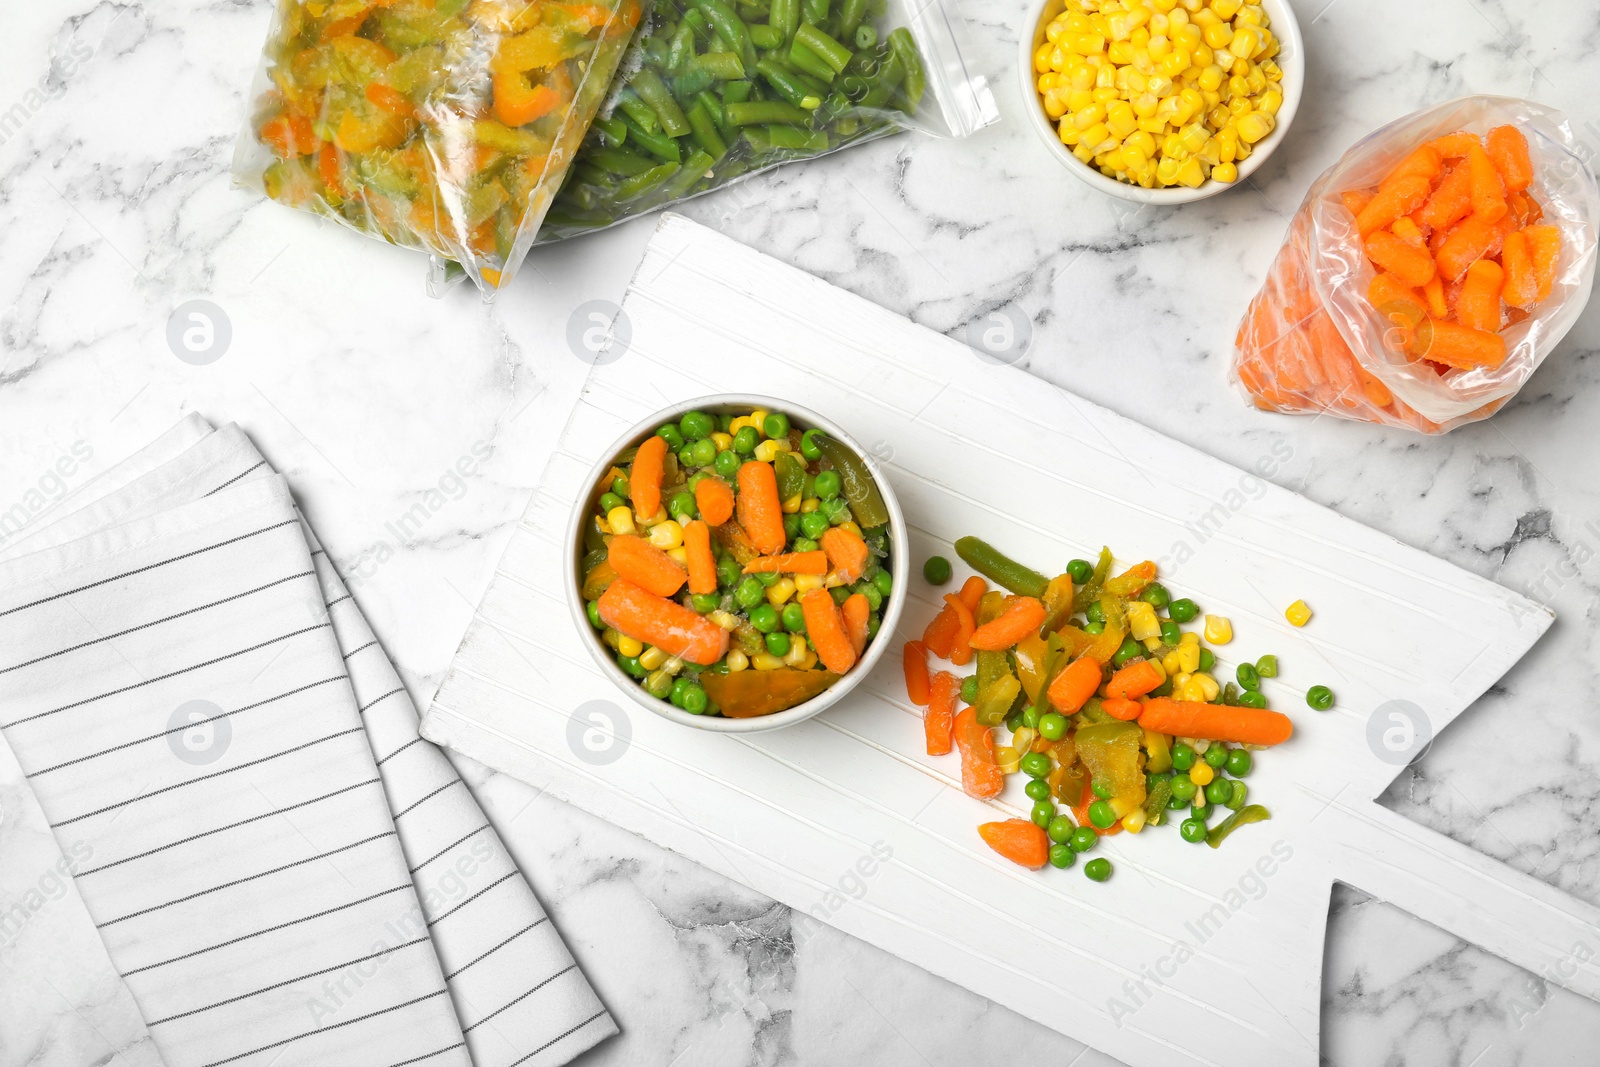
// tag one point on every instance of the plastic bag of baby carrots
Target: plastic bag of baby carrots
(1428, 272)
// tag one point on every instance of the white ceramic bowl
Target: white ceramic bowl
(1291, 59)
(738, 404)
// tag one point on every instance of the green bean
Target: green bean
(639, 111)
(657, 144)
(787, 84)
(705, 130)
(620, 161)
(810, 62)
(850, 16)
(903, 48)
(722, 66)
(881, 88)
(1248, 814)
(766, 36)
(640, 184)
(814, 11)
(736, 92)
(681, 50)
(793, 137)
(708, 100)
(785, 18)
(830, 51)
(762, 112)
(730, 27)
(865, 37)
(859, 489)
(653, 91)
(694, 168)
(1001, 569)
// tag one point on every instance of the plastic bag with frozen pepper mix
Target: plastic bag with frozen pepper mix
(441, 125)
(1428, 272)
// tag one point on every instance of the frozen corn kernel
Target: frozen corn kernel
(780, 591)
(725, 619)
(652, 658)
(1298, 613)
(620, 519)
(765, 661)
(1133, 822)
(1201, 774)
(1219, 630)
(629, 646)
(1188, 657)
(737, 661)
(804, 583)
(1142, 621)
(666, 535)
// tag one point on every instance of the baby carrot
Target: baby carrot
(1355, 200)
(961, 647)
(1216, 722)
(1135, 680)
(644, 481)
(1455, 145)
(1021, 617)
(1544, 242)
(1460, 346)
(702, 564)
(1424, 161)
(815, 562)
(1018, 840)
(1450, 202)
(1075, 684)
(1469, 241)
(940, 634)
(1413, 266)
(1401, 197)
(646, 566)
(1521, 283)
(824, 627)
(981, 776)
(1488, 192)
(938, 721)
(714, 498)
(1478, 306)
(914, 659)
(972, 591)
(846, 551)
(668, 625)
(856, 610)
(760, 511)
(1122, 708)
(1509, 151)
(1434, 293)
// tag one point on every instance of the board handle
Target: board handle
(1473, 896)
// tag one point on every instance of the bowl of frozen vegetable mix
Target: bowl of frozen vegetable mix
(737, 563)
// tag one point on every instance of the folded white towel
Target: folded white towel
(518, 995)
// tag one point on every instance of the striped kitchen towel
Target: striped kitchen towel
(517, 993)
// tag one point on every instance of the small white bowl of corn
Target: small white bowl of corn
(1161, 101)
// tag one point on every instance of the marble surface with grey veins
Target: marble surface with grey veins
(116, 124)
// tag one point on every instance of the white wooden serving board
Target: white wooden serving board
(1187, 954)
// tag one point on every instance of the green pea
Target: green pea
(703, 452)
(1037, 789)
(592, 609)
(745, 441)
(1097, 870)
(1102, 814)
(1248, 678)
(936, 570)
(804, 544)
(1199, 809)
(705, 603)
(776, 425)
(828, 485)
(694, 700)
(1094, 628)
(1052, 726)
(1239, 762)
(1184, 789)
(1170, 633)
(794, 618)
(728, 571)
(808, 445)
(791, 526)
(814, 524)
(1014, 723)
(969, 691)
(840, 593)
(727, 464)
(670, 434)
(1062, 856)
(1216, 755)
(675, 695)
(1182, 610)
(1240, 792)
(696, 424)
(1320, 697)
(769, 578)
(1252, 699)
(1035, 764)
(874, 624)
(1080, 571)
(610, 501)
(619, 486)
(1060, 829)
(1030, 717)
(778, 643)
(1102, 789)
(686, 456)
(1162, 690)
(1208, 659)
(1155, 594)
(837, 510)
(749, 591)
(1267, 666)
(870, 591)
(1129, 649)
(1083, 839)
(1096, 613)
(1192, 830)
(631, 666)
(1219, 791)
(682, 506)
(764, 617)
(1175, 803)
(1230, 694)
(884, 581)
(1182, 756)
(1043, 812)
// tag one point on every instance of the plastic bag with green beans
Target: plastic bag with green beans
(713, 91)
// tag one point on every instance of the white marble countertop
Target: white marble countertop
(115, 207)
